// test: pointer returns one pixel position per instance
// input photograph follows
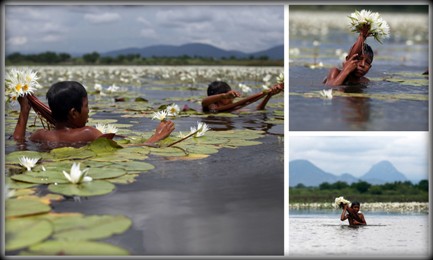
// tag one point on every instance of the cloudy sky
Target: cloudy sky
(87, 28)
(356, 154)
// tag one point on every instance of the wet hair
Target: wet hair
(63, 96)
(368, 51)
(218, 87)
(355, 203)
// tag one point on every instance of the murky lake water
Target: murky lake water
(321, 233)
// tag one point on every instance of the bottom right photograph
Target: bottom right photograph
(359, 195)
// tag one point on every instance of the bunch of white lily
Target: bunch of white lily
(171, 110)
(244, 88)
(280, 78)
(340, 201)
(106, 129)
(20, 83)
(378, 27)
(76, 176)
(28, 162)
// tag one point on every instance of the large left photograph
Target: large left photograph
(143, 130)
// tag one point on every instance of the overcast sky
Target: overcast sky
(87, 28)
(356, 154)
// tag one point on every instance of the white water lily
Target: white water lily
(267, 77)
(181, 135)
(280, 78)
(244, 88)
(160, 115)
(338, 202)
(173, 110)
(265, 87)
(101, 127)
(20, 83)
(327, 93)
(28, 162)
(113, 88)
(77, 176)
(110, 129)
(201, 129)
(98, 87)
(379, 28)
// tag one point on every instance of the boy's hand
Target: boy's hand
(276, 89)
(24, 104)
(351, 63)
(164, 129)
(232, 94)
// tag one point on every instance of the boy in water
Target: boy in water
(353, 214)
(357, 64)
(69, 106)
(220, 98)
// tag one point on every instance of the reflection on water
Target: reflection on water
(313, 234)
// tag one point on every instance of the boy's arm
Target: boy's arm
(357, 46)
(274, 90)
(343, 216)
(207, 101)
(362, 220)
(337, 77)
(241, 103)
(20, 128)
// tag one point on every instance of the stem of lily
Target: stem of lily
(186, 137)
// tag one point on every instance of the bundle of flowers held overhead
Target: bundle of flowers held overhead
(340, 202)
(377, 27)
(20, 83)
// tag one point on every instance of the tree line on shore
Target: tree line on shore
(94, 58)
(361, 191)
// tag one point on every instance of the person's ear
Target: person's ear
(73, 113)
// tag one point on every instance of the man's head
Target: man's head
(68, 102)
(364, 61)
(218, 87)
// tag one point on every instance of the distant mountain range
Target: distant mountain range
(305, 172)
(196, 49)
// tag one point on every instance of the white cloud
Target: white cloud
(51, 38)
(18, 40)
(148, 33)
(102, 18)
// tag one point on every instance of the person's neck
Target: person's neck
(64, 125)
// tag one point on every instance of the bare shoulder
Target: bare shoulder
(41, 135)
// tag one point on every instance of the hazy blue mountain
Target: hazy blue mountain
(383, 172)
(305, 172)
(195, 49)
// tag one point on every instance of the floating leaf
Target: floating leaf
(134, 166)
(71, 153)
(75, 248)
(125, 179)
(89, 227)
(42, 177)
(23, 232)
(105, 173)
(92, 188)
(24, 207)
(104, 145)
(13, 158)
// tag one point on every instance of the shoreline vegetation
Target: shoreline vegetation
(94, 58)
(391, 207)
(390, 197)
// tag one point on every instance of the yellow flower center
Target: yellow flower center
(25, 87)
(18, 87)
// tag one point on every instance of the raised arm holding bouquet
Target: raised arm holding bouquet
(360, 57)
(352, 213)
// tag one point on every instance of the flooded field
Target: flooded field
(220, 194)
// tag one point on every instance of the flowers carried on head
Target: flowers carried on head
(28, 162)
(77, 176)
(340, 202)
(367, 20)
(20, 83)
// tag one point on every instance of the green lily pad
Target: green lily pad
(25, 207)
(168, 151)
(17, 184)
(105, 173)
(134, 166)
(237, 143)
(23, 232)
(201, 149)
(13, 158)
(71, 153)
(90, 227)
(92, 188)
(42, 177)
(104, 145)
(124, 179)
(75, 248)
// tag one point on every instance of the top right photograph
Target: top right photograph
(358, 68)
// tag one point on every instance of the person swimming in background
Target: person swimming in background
(353, 214)
(220, 97)
(358, 63)
(69, 108)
